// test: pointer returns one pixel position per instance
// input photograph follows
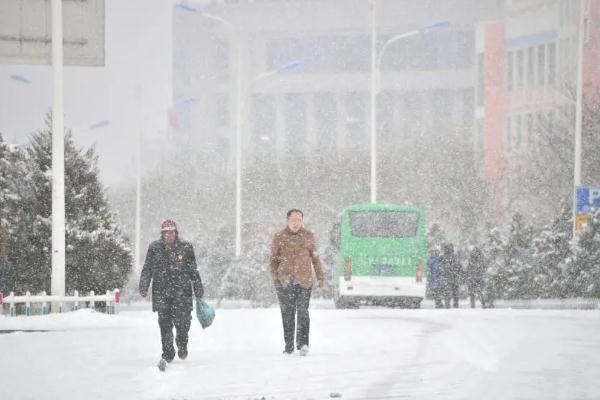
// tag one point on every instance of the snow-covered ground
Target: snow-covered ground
(356, 354)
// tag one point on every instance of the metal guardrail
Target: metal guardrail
(112, 299)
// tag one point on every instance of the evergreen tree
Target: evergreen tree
(12, 192)
(97, 254)
(583, 269)
(496, 279)
(518, 260)
(551, 249)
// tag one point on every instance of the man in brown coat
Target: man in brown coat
(293, 257)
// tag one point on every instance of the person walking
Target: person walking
(170, 266)
(476, 277)
(294, 256)
(435, 282)
(451, 273)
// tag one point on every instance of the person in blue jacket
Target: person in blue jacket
(436, 286)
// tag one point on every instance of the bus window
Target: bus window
(383, 223)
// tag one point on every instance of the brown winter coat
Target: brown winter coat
(294, 255)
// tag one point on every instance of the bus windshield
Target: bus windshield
(384, 223)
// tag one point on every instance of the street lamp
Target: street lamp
(578, 115)
(376, 58)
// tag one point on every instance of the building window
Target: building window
(520, 63)
(552, 64)
(222, 59)
(541, 64)
(530, 67)
(222, 111)
(509, 71)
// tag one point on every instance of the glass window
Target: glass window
(384, 223)
(541, 64)
(530, 66)
(552, 64)
(222, 60)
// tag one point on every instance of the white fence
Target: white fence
(112, 300)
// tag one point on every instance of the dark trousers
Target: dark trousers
(473, 295)
(294, 301)
(181, 319)
(451, 294)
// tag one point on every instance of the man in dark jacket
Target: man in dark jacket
(293, 257)
(451, 275)
(171, 267)
(476, 276)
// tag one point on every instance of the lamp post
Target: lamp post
(57, 282)
(578, 115)
(376, 57)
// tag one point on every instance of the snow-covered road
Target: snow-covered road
(355, 354)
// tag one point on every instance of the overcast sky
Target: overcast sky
(138, 52)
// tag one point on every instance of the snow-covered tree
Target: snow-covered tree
(97, 253)
(496, 279)
(12, 191)
(551, 249)
(518, 260)
(583, 269)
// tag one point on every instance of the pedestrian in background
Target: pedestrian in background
(435, 282)
(451, 275)
(476, 277)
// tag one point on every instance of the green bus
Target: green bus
(383, 254)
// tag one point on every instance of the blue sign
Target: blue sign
(587, 198)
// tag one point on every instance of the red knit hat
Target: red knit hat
(168, 225)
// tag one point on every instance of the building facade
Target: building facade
(527, 71)
(427, 81)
